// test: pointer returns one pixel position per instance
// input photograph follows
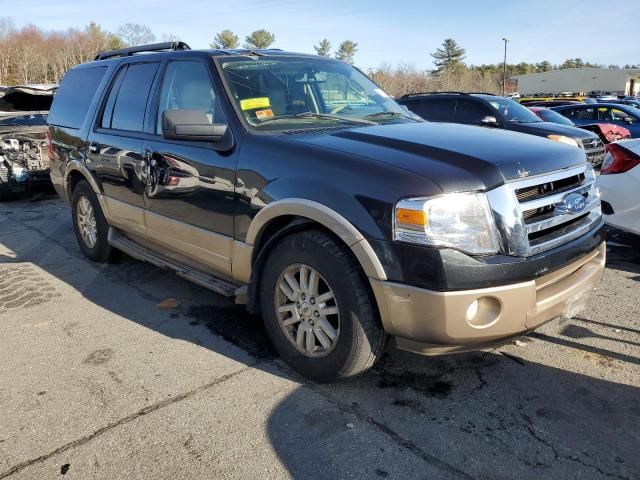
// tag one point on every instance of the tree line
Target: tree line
(32, 55)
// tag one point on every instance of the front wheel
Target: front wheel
(317, 308)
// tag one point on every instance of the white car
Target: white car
(619, 183)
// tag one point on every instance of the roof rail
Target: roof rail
(433, 93)
(153, 47)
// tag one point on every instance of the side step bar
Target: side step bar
(137, 251)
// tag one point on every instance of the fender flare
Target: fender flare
(326, 217)
(77, 166)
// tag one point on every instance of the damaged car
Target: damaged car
(23, 130)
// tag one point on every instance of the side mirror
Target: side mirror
(629, 120)
(193, 125)
(490, 121)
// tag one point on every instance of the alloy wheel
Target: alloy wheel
(307, 310)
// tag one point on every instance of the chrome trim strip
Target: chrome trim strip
(547, 177)
(558, 219)
(567, 237)
(552, 199)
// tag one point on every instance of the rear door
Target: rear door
(116, 143)
(580, 115)
(433, 109)
(191, 198)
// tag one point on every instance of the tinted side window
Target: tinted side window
(472, 111)
(578, 113)
(434, 109)
(111, 100)
(187, 86)
(131, 98)
(72, 100)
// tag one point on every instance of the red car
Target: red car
(607, 132)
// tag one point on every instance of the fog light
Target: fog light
(483, 312)
(472, 311)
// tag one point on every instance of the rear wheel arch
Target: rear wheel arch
(74, 174)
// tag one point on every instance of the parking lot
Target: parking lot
(103, 375)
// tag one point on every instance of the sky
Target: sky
(393, 32)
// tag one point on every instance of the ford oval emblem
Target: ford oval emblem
(572, 204)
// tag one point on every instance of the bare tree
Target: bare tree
(135, 34)
(169, 37)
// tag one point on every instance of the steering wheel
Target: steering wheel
(339, 108)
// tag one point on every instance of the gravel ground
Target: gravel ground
(98, 381)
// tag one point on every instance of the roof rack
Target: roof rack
(153, 47)
(433, 93)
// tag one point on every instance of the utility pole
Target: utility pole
(504, 66)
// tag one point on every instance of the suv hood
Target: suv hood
(549, 128)
(456, 157)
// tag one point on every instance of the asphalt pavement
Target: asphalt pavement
(102, 377)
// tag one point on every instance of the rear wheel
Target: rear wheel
(317, 308)
(89, 224)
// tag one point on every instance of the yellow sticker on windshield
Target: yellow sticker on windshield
(252, 103)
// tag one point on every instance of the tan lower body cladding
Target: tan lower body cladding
(430, 322)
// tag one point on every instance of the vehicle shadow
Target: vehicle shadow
(524, 421)
(480, 415)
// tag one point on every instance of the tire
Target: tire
(99, 250)
(359, 337)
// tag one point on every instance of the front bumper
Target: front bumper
(432, 322)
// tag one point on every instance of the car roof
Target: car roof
(619, 106)
(204, 53)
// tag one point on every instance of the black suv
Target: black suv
(499, 112)
(295, 184)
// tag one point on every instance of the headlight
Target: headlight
(459, 220)
(564, 139)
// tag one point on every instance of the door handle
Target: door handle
(94, 147)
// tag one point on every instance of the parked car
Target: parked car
(320, 202)
(619, 184)
(23, 126)
(502, 113)
(631, 102)
(621, 115)
(608, 132)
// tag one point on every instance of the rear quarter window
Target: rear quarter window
(127, 102)
(73, 98)
(433, 109)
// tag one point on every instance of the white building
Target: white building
(618, 80)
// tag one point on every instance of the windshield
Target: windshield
(511, 110)
(293, 92)
(33, 120)
(554, 117)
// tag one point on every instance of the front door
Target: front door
(116, 145)
(190, 202)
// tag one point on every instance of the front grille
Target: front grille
(594, 149)
(540, 213)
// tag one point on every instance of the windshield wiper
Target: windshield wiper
(384, 114)
(325, 116)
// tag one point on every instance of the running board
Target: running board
(139, 252)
